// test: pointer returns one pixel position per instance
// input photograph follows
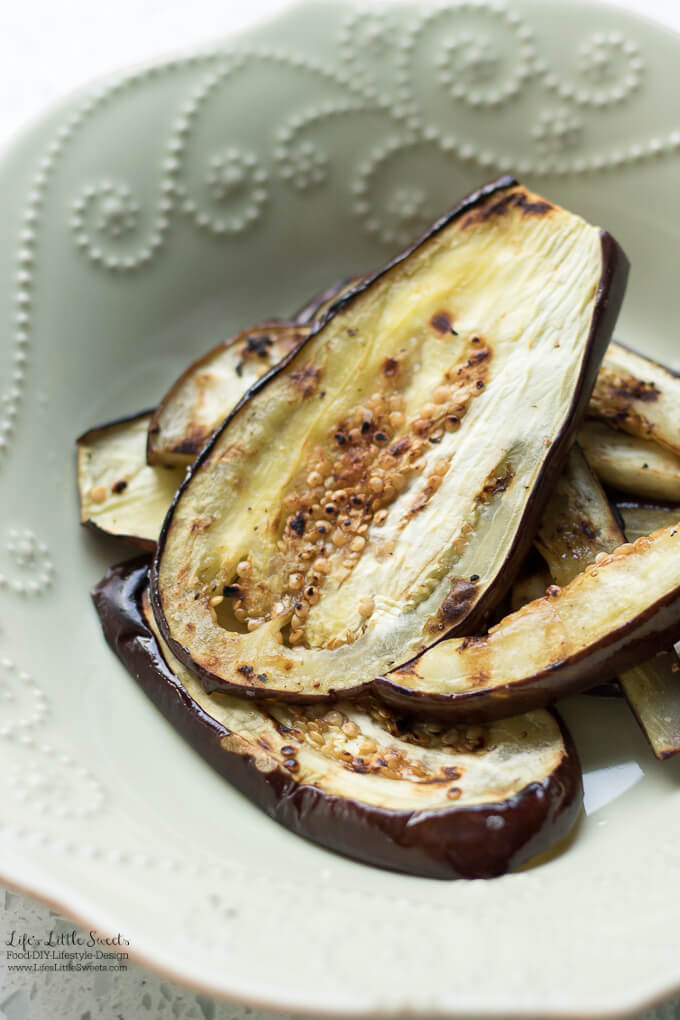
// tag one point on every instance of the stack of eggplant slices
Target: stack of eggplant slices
(383, 537)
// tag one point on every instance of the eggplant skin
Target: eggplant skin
(133, 497)
(316, 308)
(465, 608)
(559, 645)
(640, 519)
(472, 842)
(211, 386)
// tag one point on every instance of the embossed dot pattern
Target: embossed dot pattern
(114, 231)
(33, 567)
(116, 234)
(23, 705)
(56, 786)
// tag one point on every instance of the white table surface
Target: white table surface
(47, 49)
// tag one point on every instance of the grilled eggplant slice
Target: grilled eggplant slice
(638, 396)
(612, 616)
(379, 491)
(653, 689)
(653, 693)
(638, 466)
(119, 493)
(440, 802)
(578, 526)
(211, 386)
(529, 586)
(317, 308)
(643, 518)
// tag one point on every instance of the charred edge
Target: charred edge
(608, 302)
(324, 300)
(277, 330)
(257, 345)
(454, 842)
(501, 206)
(598, 662)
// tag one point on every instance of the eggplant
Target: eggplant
(317, 307)
(653, 693)
(533, 583)
(577, 527)
(638, 396)
(119, 493)
(642, 518)
(578, 523)
(212, 385)
(638, 466)
(207, 390)
(378, 491)
(615, 614)
(530, 585)
(461, 802)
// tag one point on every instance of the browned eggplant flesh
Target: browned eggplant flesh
(614, 614)
(382, 549)
(578, 528)
(119, 493)
(378, 491)
(638, 396)
(440, 801)
(211, 386)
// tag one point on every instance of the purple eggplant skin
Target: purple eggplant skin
(657, 627)
(609, 689)
(411, 842)
(317, 307)
(609, 299)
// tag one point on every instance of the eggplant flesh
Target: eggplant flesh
(614, 614)
(638, 396)
(641, 519)
(638, 466)
(318, 307)
(436, 801)
(212, 385)
(578, 524)
(529, 586)
(653, 689)
(379, 490)
(119, 493)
